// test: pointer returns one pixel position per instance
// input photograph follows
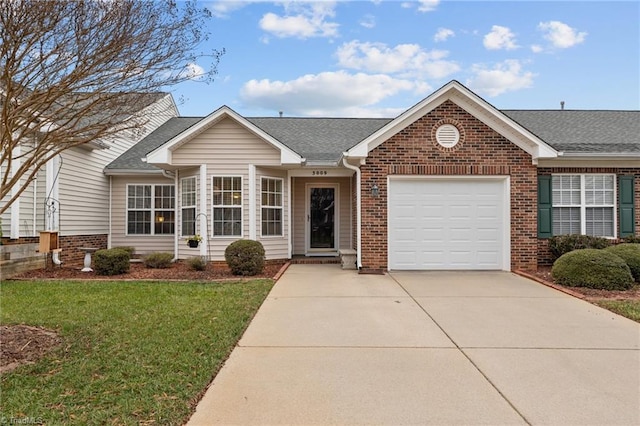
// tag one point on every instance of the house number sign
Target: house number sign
(319, 173)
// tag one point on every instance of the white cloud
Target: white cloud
(302, 20)
(222, 8)
(423, 5)
(368, 21)
(329, 93)
(443, 34)
(193, 71)
(500, 38)
(560, 34)
(406, 60)
(536, 48)
(428, 5)
(507, 76)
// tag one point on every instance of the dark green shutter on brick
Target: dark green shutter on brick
(545, 207)
(626, 205)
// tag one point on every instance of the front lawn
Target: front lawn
(626, 308)
(131, 352)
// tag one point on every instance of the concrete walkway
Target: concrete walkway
(333, 347)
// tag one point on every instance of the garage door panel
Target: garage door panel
(454, 224)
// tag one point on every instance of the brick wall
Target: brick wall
(481, 151)
(70, 245)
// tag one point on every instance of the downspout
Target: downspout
(109, 240)
(358, 211)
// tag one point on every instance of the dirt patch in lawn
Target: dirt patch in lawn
(23, 344)
(180, 271)
(544, 273)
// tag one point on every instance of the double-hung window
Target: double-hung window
(150, 209)
(188, 206)
(227, 206)
(271, 207)
(584, 204)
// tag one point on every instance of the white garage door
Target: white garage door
(448, 224)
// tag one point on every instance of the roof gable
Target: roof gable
(474, 105)
(162, 156)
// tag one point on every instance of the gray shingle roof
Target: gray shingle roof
(575, 131)
(132, 158)
(325, 139)
(319, 139)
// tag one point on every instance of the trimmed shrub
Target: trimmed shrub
(632, 239)
(113, 261)
(197, 263)
(245, 257)
(158, 260)
(592, 268)
(128, 249)
(562, 244)
(630, 253)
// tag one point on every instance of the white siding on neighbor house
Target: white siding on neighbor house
(228, 149)
(299, 212)
(144, 244)
(31, 208)
(83, 187)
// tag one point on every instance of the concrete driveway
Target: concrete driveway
(447, 348)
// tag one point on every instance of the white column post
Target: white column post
(252, 202)
(15, 207)
(203, 210)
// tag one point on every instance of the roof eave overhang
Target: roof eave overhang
(162, 156)
(591, 159)
(474, 105)
(131, 172)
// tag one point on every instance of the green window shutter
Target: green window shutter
(545, 207)
(626, 205)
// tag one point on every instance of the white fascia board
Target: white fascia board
(131, 172)
(162, 155)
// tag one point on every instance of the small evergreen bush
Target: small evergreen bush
(562, 244)
(245, 257)
(592, 268)
(113, 261)
(197, 263)
(633, 239)
(630, 253)
(158, 260)
(128, 249)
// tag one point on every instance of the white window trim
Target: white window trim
(194, 206)
(152, 210)
(281, 207)
(241, 206)
(583, 204)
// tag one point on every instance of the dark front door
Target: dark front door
(322, 218)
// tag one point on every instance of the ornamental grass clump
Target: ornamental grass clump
(197, 263)
(592, 268)
(630, 253)
(245, 257)
(111, 261)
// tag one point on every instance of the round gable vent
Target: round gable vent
(447, 135)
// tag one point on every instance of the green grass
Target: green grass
(626, 308)
(132, 352)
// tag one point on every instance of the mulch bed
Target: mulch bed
(544, 274)
(23, 344)
(177, 271)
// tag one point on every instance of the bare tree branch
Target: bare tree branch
(73, 72)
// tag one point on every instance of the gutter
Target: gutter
(358, 210)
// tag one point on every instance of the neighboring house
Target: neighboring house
(452, 183)
(71, 194)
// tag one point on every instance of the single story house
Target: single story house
(451, 183)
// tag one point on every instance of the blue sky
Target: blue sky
(378, 58)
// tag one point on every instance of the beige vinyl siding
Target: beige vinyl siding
(300, 215)
(228, 149)
(144, 244)
(83, 187)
